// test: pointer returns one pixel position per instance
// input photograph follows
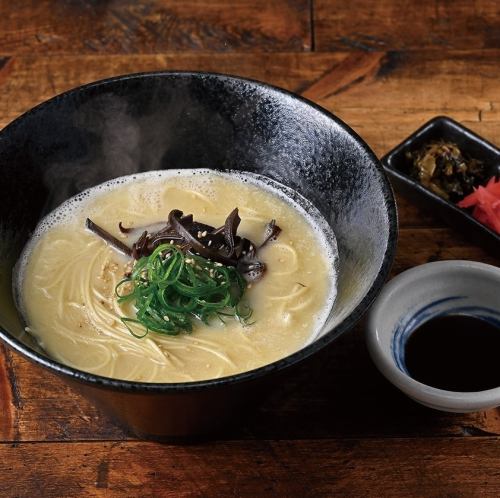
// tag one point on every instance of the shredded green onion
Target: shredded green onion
(171, 289)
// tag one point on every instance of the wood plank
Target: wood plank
(9, 398)
(395, 25)
(332, 392)
(374, 97)
(412, 215)
(419, 246)
(153, 26)
(20, 91)
(387, 103)
(388, 467)
(38, 406)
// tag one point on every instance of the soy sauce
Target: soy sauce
(455, 353)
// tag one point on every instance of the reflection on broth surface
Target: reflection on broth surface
(67, 278)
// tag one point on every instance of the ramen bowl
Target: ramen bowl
(174, 120)
(418, 295)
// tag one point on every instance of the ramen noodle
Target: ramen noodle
(67, 278)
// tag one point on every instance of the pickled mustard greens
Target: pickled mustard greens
(444, 169)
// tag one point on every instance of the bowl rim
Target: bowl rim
(179, 387)
(383, 359)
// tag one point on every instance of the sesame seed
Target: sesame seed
(204, 234)
(209, 243)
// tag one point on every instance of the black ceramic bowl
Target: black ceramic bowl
(184, 120)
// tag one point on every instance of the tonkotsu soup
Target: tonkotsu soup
(146, 292)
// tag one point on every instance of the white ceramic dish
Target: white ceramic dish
(415, 296)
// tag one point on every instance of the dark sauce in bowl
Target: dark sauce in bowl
(455, 353)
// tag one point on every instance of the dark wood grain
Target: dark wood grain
(419, 246)
(347, 468)
(404, 25)
(153, 26)
(383, 98)
(385, 104)
(9, 398)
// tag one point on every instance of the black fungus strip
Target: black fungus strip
(140, 245)
(230, 228)
(251, 270)
(272, 232)
(110, 239)
(123, 229)
(221, 244)
(174, 218)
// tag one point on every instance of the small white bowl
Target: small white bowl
(415, 296)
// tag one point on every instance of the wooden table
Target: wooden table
(385, 67)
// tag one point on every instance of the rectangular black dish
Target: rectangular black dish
(397, 165)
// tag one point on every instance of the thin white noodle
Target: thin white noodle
(152, 374)
(112, 368)
(300, 306)
(62, 274)
(254, 219)
(219, 373)
(294, 294)
(83, 366)
(247, 211)
(219, 354)
(200, 196)
(98, 314)
(293, 265)
(86, 280)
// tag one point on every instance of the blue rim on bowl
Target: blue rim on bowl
(415, 296)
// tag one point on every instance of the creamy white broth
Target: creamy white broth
(67, 277)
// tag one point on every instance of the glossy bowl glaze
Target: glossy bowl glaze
(420, 294)
(154, 121)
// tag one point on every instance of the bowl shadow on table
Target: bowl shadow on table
(340, 394)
